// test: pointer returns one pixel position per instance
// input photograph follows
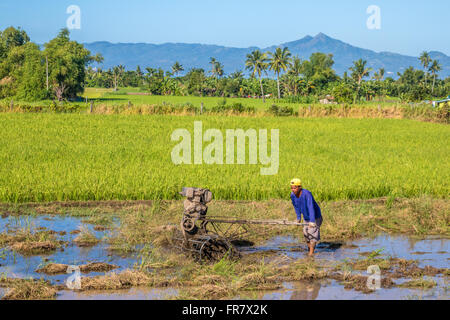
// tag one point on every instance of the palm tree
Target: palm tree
(425, 60)
(307, 86)
(256, 63)
(434, 69)
(177, 68)
(218, 69)
(295, 70)
(237, 75)
(212, 62)
(359, 72)
(139, 75)
(117, 73)
(379, 75)
(280, 61)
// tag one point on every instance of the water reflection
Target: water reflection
(306, 291)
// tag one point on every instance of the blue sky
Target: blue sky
(407, 27)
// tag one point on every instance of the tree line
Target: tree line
(63, 68)
(29, 73)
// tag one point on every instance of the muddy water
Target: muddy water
(427, 251)
(15, 265)
(130, 294)
(330, 289)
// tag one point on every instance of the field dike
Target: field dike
(393, 111)
(406, 238)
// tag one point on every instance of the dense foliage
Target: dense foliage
(24, 75)
(29, 73)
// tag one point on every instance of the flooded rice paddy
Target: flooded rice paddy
(428, 251)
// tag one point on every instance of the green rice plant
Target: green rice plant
(421, 283)
(225, 267)
(50, 157)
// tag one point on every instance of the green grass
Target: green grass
(208, 102)
(108, 97)
(104, 98)
(46, 157)
(94, 93)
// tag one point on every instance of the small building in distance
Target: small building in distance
(438, 102)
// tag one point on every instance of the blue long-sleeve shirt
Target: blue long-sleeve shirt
(306, 205)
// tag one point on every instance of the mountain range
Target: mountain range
(198, 55)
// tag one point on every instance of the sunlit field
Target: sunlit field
(46, 157)
(137, 97)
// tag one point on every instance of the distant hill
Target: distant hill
(197, 55)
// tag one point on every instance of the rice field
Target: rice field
(47, 157)
(134, 95)
(109, 98)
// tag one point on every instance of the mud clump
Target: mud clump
(359, 282)
(302, 269)
(24, 289)
(100, 228)
(409, 269)
(53, 268)
(256, 281)
(28, 243)
(116, 281)
(57, 268)
(97, 267)
(53, 232)
(86, 239)
(86, 244)
(211, 291)
(419, 283)
(208, 279)
(32, 248)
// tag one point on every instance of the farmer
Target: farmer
(304, 203)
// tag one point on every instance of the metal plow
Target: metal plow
(211, 238)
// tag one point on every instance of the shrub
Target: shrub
(280, 111)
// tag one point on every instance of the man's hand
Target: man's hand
(312, 224)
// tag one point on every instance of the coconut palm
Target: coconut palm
(212, 62)
(359, 72)
(256, 63)
(218, 69)
(379, 75)
(425, 60)
(117, 74)
(177, 68)
(294, 71)
(295, 68)
(279, 61)
(434, 69)
(237, 75)
(139, 75)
